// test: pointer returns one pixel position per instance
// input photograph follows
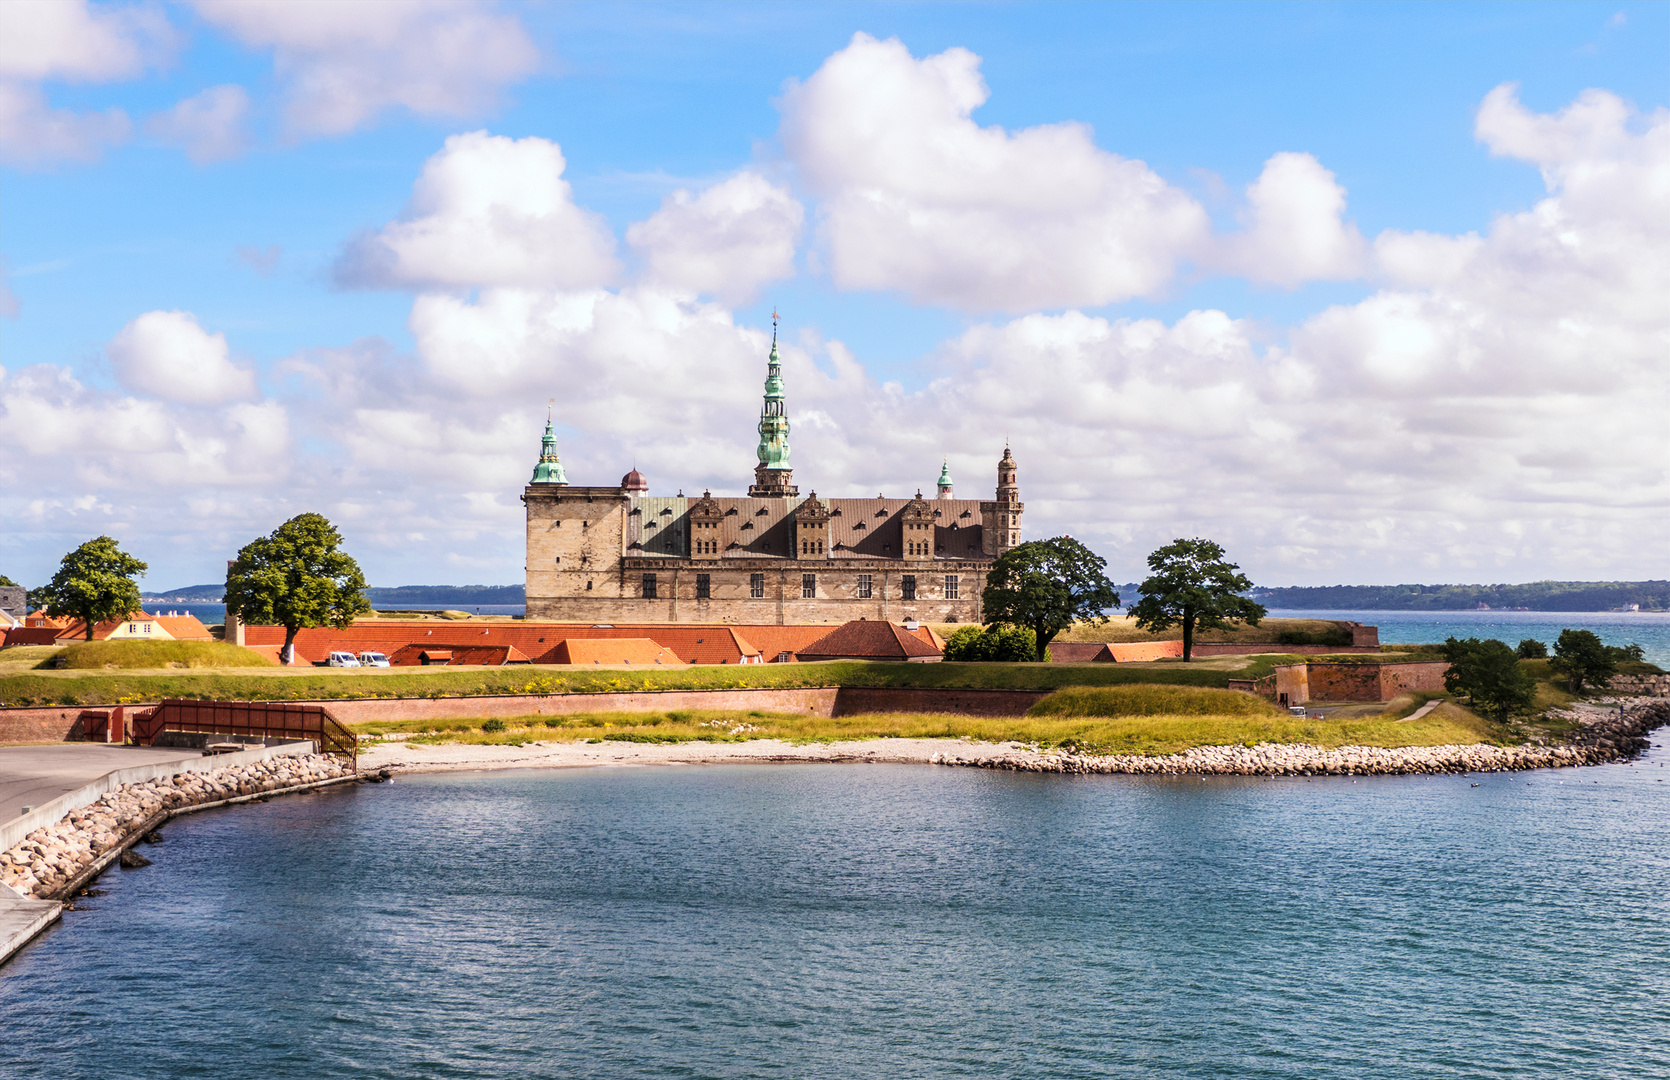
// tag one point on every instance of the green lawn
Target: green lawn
(100, 686)
(1139, 733)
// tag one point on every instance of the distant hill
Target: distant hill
(403, 595)
(447, 595)
(1534, 596)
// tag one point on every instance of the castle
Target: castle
(619, 554)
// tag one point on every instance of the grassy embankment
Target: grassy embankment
(1123, 628)
(106, 673)
(1132, 719)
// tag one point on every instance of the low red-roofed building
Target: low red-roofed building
(866, 639)
(640, 651)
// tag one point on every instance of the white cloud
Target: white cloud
(487, 210)
(726, 242)
(69, 39)
(166, 354)
(33, 133)
(343, 64)
(1296, 228)
(920, 199)
(212, 125)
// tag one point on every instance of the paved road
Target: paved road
(32, 775)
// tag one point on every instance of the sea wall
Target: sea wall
(52, 861)
(1608, 737)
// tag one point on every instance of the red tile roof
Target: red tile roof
(867, 640)
(641, 651)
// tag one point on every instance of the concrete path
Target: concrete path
(21, 918)
(34, 775)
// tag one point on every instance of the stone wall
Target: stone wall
(1297, 684)
(55, 723)
(1649, 685)
(836, 596)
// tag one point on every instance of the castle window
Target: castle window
(951, 587)
(864, 586)
(649, 586)
(881, 513)
(761, 510)
(747, 524)
(704, 586)
(756, 586)
(666, 510)
(731, 512)
(808, 586)
(907, 586)
(859, 526)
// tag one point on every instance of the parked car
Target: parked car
(1296, 710)
(373, 659)
(342, 659)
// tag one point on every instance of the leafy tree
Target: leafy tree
(1583, 659)
(1047, 586)
(1625, 654)
(94, 583)
(1532, 649)
(295, 578)
(6, 582)
(1193, 586)
(1490, 674)
(1001, 644)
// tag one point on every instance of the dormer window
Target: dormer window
(761, 510)
(966, 513)
(881, 513)
(731, 512)
(746, 525)
(666, 510)
(860, 526)
(835, 512)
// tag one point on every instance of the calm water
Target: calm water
(1649, 629)
(210, 614)
(876, 921)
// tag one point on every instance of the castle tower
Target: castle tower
(549, 468)
(772, 476)
(1002, 518)
(945, 481)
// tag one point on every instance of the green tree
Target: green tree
(1583, 659)
(1532, 649)
(6, 582)
(1191, 585)
(94, 583)
(1490, 674)
(999, 644)
(1047, 586)
(296, 577)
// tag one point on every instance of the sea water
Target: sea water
(1649, 629)
(876, 921)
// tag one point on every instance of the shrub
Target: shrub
(1532, 649)
(992, 644)
(493, 726)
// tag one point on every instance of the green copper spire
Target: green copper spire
(549, 469)
(945, 480)
(774, 423)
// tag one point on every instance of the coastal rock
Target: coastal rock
(49, 858)
(1605, 736)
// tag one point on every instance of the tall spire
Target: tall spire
(773, 479)
(549, 468)
(773, 451)
(945, 479)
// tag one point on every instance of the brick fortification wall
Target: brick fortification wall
(1296, 684)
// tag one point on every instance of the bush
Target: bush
(1491, 676)
(493, 727)
(992, 644)
(1532, 649)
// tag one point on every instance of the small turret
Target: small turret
(549, 468)
(945, 480)
(1001, 518)
(1007, 488)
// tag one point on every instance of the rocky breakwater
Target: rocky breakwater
(52, 862)
(1602, 736)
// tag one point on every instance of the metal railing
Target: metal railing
(256, 719)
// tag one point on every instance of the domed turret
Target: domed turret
(634, 482)
(945, 480)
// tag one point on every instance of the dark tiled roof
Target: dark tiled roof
(1079, 652)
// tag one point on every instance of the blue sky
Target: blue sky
(1351, 410)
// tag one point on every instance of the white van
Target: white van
(373, 659)
(342, 659)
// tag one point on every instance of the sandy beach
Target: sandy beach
(403, 757)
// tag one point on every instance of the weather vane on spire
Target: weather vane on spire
(774, 324)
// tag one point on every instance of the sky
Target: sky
(1367, 293)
